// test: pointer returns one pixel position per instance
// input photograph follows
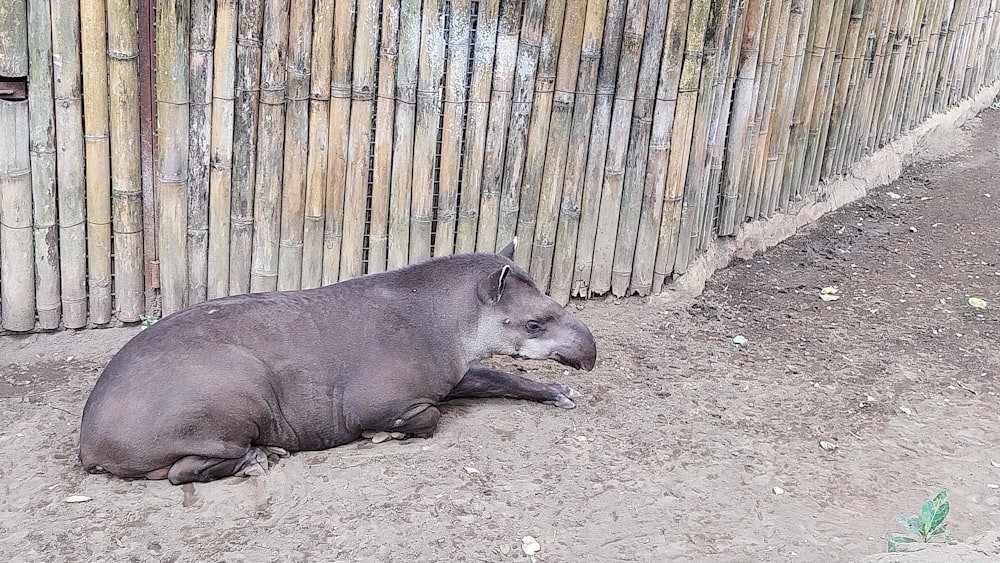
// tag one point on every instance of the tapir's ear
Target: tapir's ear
(491, 290)
(508, 251)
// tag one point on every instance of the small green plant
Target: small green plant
(146, 320)
(929, 524)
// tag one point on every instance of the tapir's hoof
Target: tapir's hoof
(564, 396)
(275, 450)
(256, 464)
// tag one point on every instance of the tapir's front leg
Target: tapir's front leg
(481, 382)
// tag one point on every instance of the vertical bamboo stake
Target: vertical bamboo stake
(895, 49)
(17, 293)
(293, 190)
(378, 231)
(93, 40)
(126, 166)
(69, 162)
(517, 131)
(860, 81)
(270, 141)
(199, 147)
(455, 96)
(734, 175)
(536, 151)
(820, 127)
(560, 129)
(875, 86)
(638, 148)
(172, 149)
(319, 143)
(496, 136)
(362, 96)
(659, 148)
(402, 142)
(476, 121)
(340, 116)
(923, 62)
(589, 171)
(14, 40)
(41, 123)
(245, 126)
(680, 142)
(845, 86)
(221, 173)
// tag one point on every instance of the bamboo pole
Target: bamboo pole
(734, 176)
(71, 193)
(319, 143)
(126, 166)
(536, 153)
(859, 88)
(819, 133)
(526, 70)
(910, 73)
(41, 123)
(845, 87)
(221, 173)
(875, 86)
(93, 40)
(13, 40)
(771, 55)
(293, 188)
(356, 189)
(400, 183)
(567, 68)
(452, 130)
(246, 121)
(590, 171)
(270, 142)
(340, 115)
(501, 98)
(476, 122)
(659, 148)
(638, 147)
(922, 88)
(385, 112)
(172, 100)
(17, 293)
(199, 145)
(895, 47)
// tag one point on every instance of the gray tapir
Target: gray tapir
(211, 390)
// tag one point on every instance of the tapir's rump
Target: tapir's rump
(212, 390)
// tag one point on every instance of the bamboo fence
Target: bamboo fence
(296, 143)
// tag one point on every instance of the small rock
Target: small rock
(505, 549)
(829, 446)
(77, 498)
(530, 546)
(993, 485)
(471, 470)
(779, 491)
(905, 410)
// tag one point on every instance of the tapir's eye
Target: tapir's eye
(533, 326)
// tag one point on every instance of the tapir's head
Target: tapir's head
(519, 320)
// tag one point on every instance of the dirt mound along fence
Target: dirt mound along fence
(157, 153)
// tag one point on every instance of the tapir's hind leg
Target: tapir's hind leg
(481, 382)
(201, 469)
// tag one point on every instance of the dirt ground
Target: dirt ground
(675, 450)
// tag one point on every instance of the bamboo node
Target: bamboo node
(122, 56)
(289, 244)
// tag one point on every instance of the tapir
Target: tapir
(210, 391)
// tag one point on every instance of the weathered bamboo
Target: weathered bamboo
(340, 115)
(910, 73)
(874, 86)
(402, 142)
(13, 40)
(536, 150)
(126, 166)
(735, 175)
(845, 86)
(41, 124)
(356, 189)
(659, 148)
(17, 293)
(221, 173)
(71, 193)
(270, 141)
(525, 70)
(589, 171)
(859, 86)
(476, 121)
(93, 42)
(820, 128)
(921, 88)
(895, 49)
(245, 125)
(567, 66)
(378, 229)
(452, 130)
(428, 110)
(508, 29)
(293, 188)
(319, 143)
(680, 142)
(172, 150)
(199, 145)
(638, 147)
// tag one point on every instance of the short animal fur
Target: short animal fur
(210, 391)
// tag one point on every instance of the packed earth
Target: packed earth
(808, 398)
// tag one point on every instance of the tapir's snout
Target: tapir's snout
(581, 351)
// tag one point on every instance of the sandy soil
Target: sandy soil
(675, 450)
